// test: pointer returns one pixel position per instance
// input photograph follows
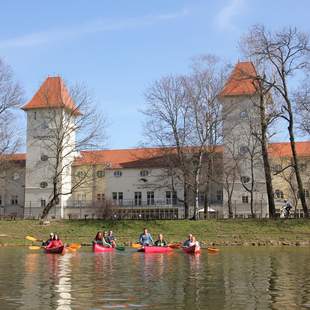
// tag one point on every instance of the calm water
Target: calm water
(237, 278)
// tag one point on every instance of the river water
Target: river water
(236, 278)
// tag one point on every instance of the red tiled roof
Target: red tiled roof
(283, 149)
(14, 157)
(128, 158)
(150, 157)
(52, 94)
(241, 81)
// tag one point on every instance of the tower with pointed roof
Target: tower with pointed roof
(47, 112)
(243, 172)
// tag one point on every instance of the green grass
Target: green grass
(210, 231)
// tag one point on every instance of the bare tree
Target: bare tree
(302, 100)
(11, 96)
(69, 131)
(183, 113)
(286, 52)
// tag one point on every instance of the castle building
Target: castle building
(136, 183)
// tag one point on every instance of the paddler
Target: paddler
(160, 241)
(145, 238)
(48, 241)
(111, 239)
(55, 243)
(194, 242)
(99, 239)
(187, 242)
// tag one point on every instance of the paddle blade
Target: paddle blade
(136, 245)
(120, 248)
(34, 247)
(174, 245)
(70, 249)
(213, 250)
(75, 246)
(31, 238)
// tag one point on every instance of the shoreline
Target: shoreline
(218, 233)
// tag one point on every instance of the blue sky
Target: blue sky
(118, 48)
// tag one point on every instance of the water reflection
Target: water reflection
(236, 278)
(63, 288)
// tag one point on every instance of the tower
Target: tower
(243, 170)
(51, 115)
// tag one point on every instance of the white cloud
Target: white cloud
(66, 33)
(225, 17)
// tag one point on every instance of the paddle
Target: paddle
(213, 250)
(35, 247)
(33, 239)
(136, 245)
(174, 245)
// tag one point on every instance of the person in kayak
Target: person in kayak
(160, 241)
(99, 239)
(145, 238)
(111, 239)
(187, 242)
(55, 243)
(194, 242)
(48, 241)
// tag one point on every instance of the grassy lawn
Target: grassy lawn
(220, 232)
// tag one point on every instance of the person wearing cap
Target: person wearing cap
(48, 241)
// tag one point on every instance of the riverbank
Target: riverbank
(249, 232)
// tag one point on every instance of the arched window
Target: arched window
(278, 194)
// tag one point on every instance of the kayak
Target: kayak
(191, 249)
(101, 249)
(155, 249)
(56, 250)
(213, 250)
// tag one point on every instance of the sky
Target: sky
(119, 48)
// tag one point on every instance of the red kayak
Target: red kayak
(97, 248)
(55, 250)
(191, 249)
(155, 249)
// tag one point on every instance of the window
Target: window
(81, 197)
(44, 157)
(243, 114)
(144, 173)
(35, 115)
(100, 197)
(278, 194)
(114, 196)
(243, 150)
(306, 192)
(118, 173)
(171, 197)
(277, 168)
(219, 195)
(81, 174)
(43, 203)
(100, 174)
(14, 200)
(43, 184)
(245, 199)
(245, 179)
(117, 197)
(150, 198)
(120, 198)
(0, 200)
(138, 198)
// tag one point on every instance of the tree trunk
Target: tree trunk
(186, 211)
(295, 160)
(252, 204)
(267, 169)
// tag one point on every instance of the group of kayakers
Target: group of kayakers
(108, 240)
(105, 239)
(53, 241)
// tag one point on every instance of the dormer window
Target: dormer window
(43, 184)
(243, 114)
(100, 174)
(44, 157)
(144, 173)
(118, 173)
(35, 115)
